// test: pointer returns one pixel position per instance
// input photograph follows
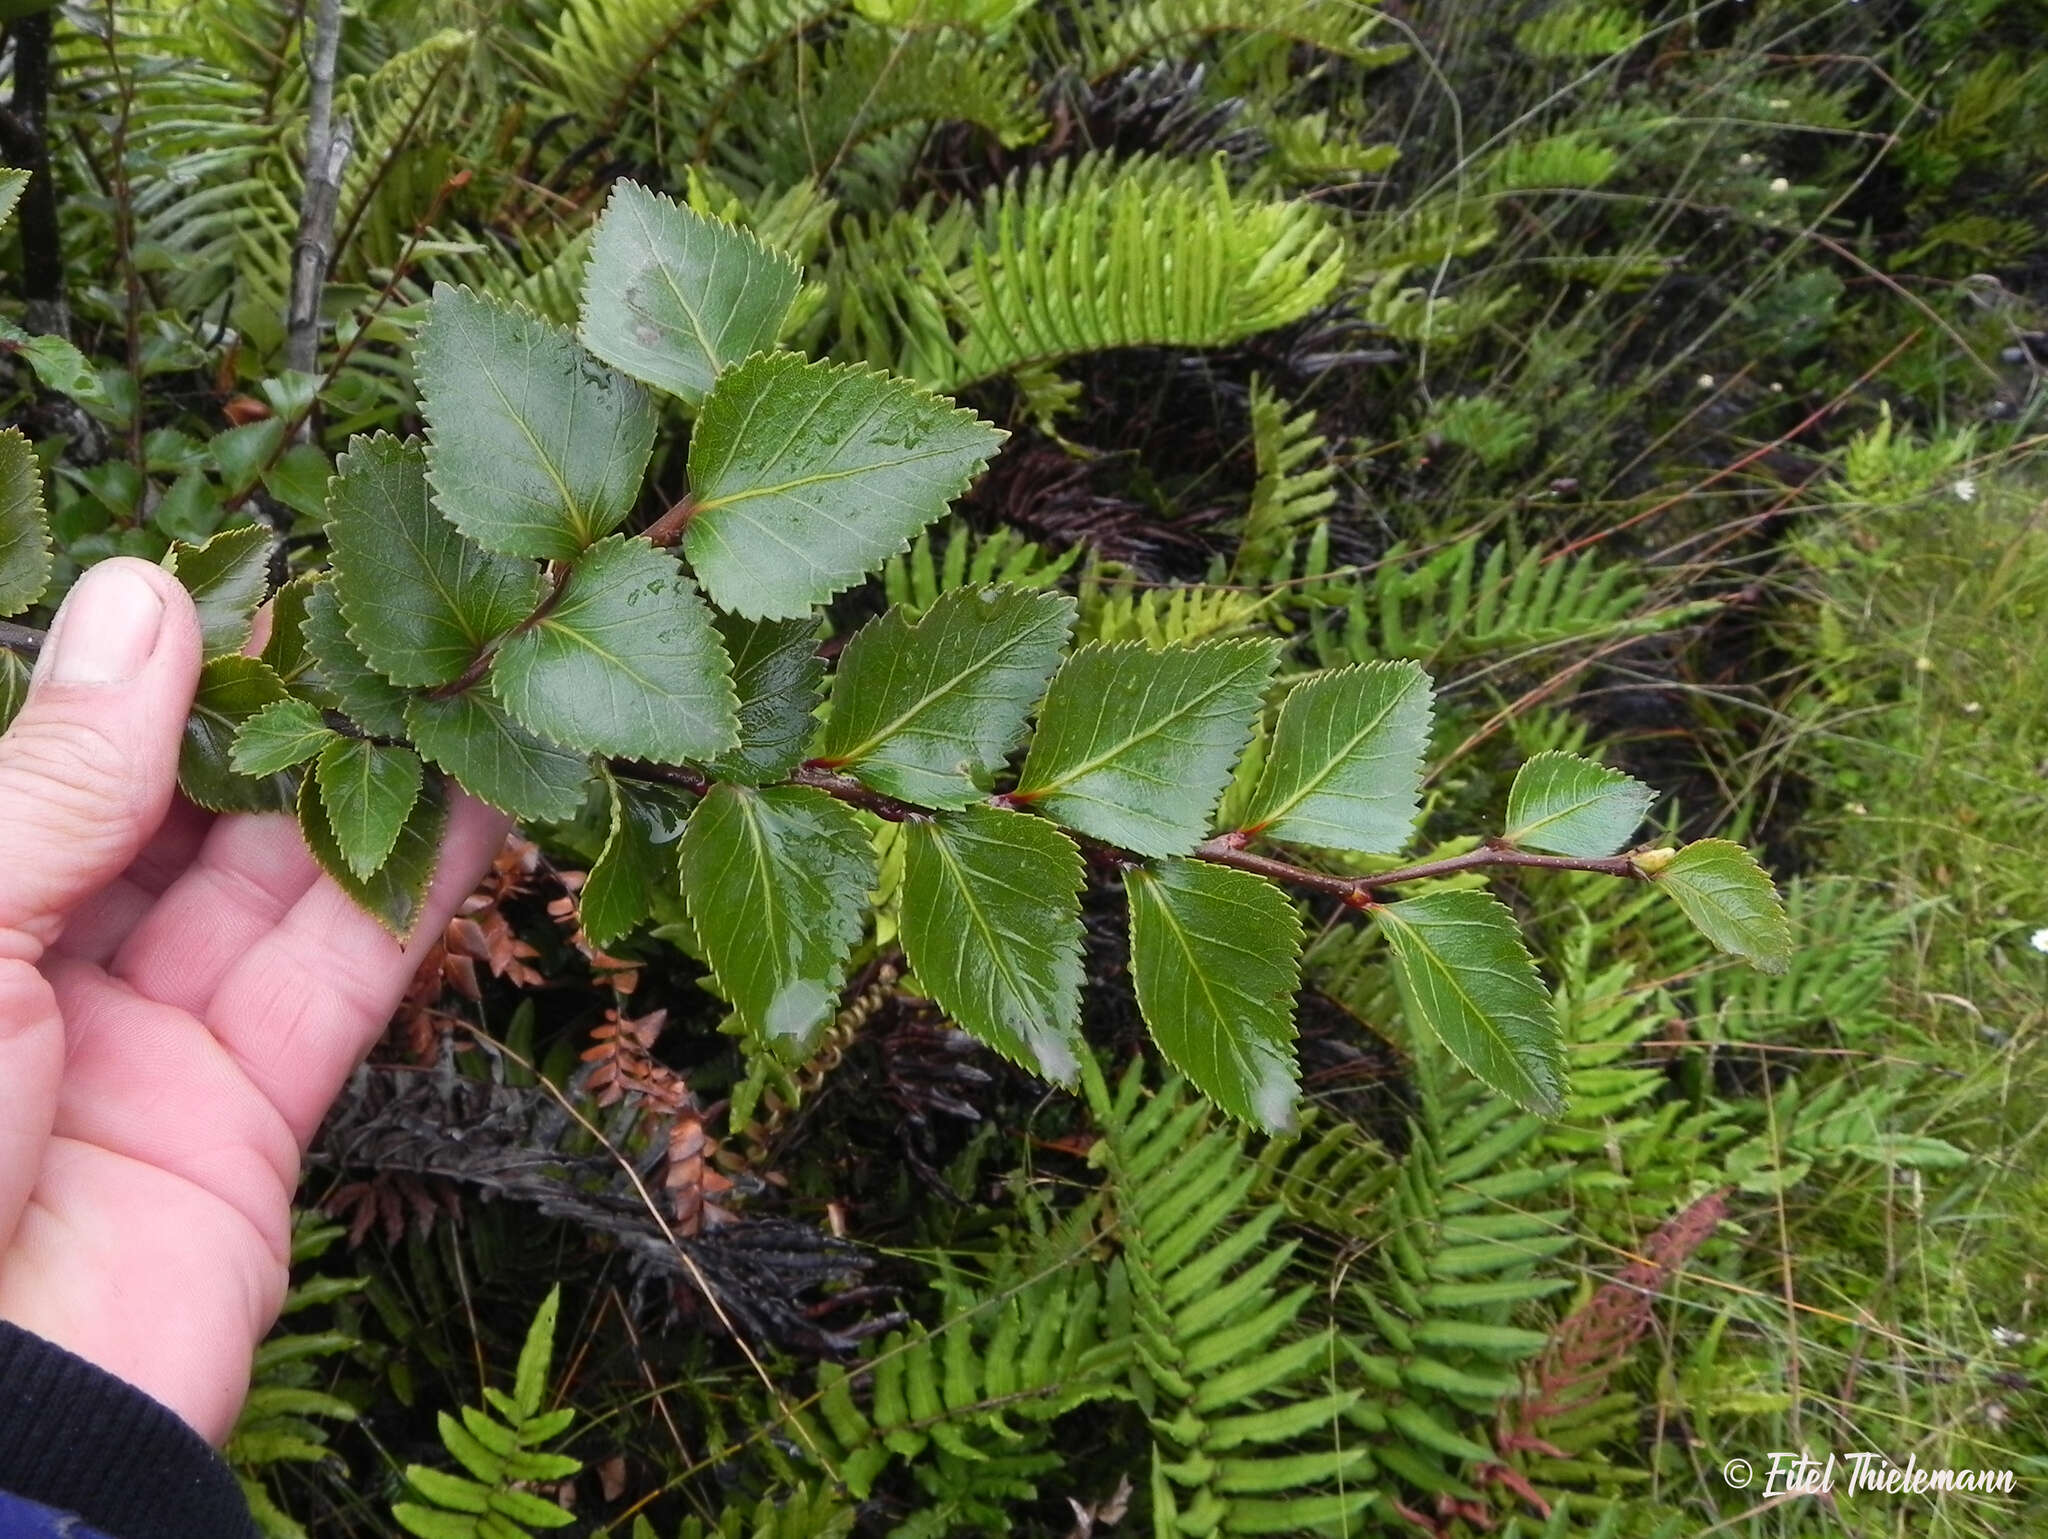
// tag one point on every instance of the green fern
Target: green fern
(1114, 38)
(1247, 1435)
(950, 556)
(1076, 257)
(1295, 485)
(503, 1454)
(806, 1512)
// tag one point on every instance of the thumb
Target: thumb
(87, 769)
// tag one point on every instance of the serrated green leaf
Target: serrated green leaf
(992, 927)
(807, 476)
(1344, 769)
(339, 674)
(13, 182)
(421, 601)
(627, 662)
(674, 298)
(231, 690)
(227, 577)
(1465, 976)
(1572, 806)
(639, 852)
(1731, 901)
(299, 479)
(537, 449)
(496, 760)
(396, 892)
(14, 678)
(59, 367)
(1215, 961)
(1135, 746)
(285, 649)
(776, 672)
(241, 452)
(928, 710)
(283, 734)
(24, 534)
(777, 883)
(368, 790)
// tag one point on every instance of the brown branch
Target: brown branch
(327, 149)
(671, 526)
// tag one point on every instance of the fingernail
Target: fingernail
(107, 627)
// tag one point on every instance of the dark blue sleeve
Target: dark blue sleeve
(32, 1520)
(87, 1456)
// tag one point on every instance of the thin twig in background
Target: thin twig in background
(327, 149)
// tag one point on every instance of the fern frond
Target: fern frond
(598, 54)
(1075, 257)
(1162, 617)
(1295, 485)
(955, 557)
(819, 105)
(1246, 1429)
(1114, 38)
(807, 1512)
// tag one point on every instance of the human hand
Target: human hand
(181, 997)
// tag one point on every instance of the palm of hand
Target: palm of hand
(174, 1022)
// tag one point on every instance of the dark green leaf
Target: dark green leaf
(368, 790)
(1215, 962)
(777, 882)
(228, 577)
(14, 677)
(241, 453)
(537, 448)
(190, 511)
(231, 690)
(397, 891)
(1465, 976)
(626, 663)
(807, 476)
(530, 1379)
(299, 479)
(24, 535)
(1730, 900)
(928, 711)
(992, 927)
(340, 674)
(776, 672)
(283, 734)
(674, 298)
(1572, 806)
(1344, 771)
(59, 367)
(1135, 746)
(421, 601)
(496, 760)
(638, 853)
(285, 650)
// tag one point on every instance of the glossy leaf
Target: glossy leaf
(639, 852)
(992, 926)
(1730, 900)
(537, 449)
(231, 690)
(1135, 746)
(281, 735)
(776, 673)
(674, 298)
(228, 578)
(421, 601)
(495, 759)
(14, 677)
(929, 710)
(1215, 961)
(807, 476)
(285, 649)
(626, 663)
(1572, 806)
(396, 892)
(59, 367)
(1465, 976)
(368, 790)
(1344, 769)
(339, 673)
(24, 535)
(777, 883)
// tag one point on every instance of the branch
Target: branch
(25, 135)
(327, 149)
(25, 639)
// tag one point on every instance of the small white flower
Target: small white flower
(1965, 489)
(2006, 1338)
(1705, 382)
(1859, 809)
(1780, 185)
(1777, 387)
(1923, 665)
(1745, 161)
(1780, 103)
(2039, 940)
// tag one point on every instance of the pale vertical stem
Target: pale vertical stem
(327, 148)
